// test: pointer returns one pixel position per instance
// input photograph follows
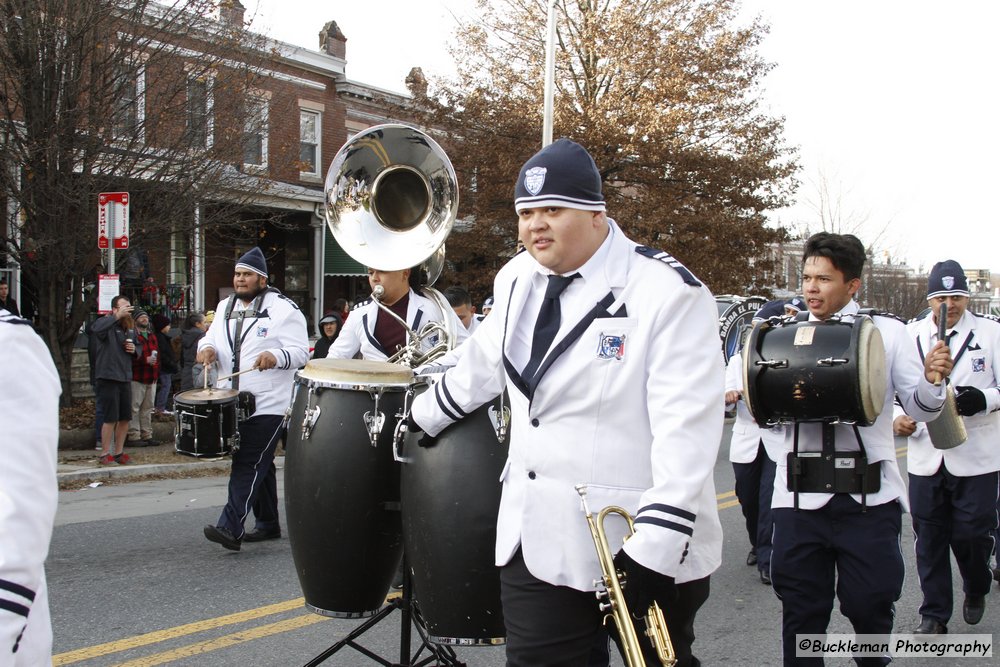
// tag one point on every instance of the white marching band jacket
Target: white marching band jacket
(627, 401)
(904, 373)
(280, 328)
(978, 366)
(746, 438)
(358, 334)
(28, 491)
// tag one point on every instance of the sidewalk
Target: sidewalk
(80, 465)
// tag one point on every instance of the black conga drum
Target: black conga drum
(801, 371)
(450, 499)
(206, 421)
(342, 484)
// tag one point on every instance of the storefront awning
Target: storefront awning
(336, 262)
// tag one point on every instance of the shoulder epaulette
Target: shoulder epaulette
(988, 316)
(362, 304)
(288, 299)
(670, 261)
(873, 312)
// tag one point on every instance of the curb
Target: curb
(97, 474)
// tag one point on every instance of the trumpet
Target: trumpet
(612, 600)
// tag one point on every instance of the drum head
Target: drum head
(355, 372)
(206, 396)
(871, 369)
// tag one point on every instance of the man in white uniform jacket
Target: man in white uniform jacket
(29, 395)
(260, 329)
(953, 492)
(376, 334)
(616, 384)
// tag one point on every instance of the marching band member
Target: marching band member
(261, 329)
(377, 335)
(585, 334)
(752, 467)
(830, 541)
(953, 492)
(28, 491)
(461, 303)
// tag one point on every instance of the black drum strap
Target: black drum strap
(236, 341)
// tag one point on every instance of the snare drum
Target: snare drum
(206, 422)
(451, 498)
(342, 484)
(803, 371)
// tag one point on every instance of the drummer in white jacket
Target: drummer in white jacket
(262, 331)
(615, 384)
(377, 335)
(29, 394)
(953, 492)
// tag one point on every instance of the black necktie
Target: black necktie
(547, 324)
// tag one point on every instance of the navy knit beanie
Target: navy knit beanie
(562, 175)
(254, 261)
(947, 279)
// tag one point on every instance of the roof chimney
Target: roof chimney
(332, 41)
(416, 83)
(231, 13)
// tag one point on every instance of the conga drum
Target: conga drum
(342, 484)
(450, 500)
(206, 421)
(802, 371)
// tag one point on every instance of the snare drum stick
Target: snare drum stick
(226, 377)
(942, 332)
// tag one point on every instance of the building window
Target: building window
(130, 109)
(255, 133)
(309, 134)
(199, 112)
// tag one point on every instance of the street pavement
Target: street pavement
(133, 582)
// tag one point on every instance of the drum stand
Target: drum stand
(437, 655)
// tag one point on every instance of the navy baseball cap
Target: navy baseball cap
(562, 175)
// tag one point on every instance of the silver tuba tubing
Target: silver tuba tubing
(391, 201)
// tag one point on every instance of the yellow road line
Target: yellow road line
(173, 633)
(228, 641)
(731, 503)
(727, 494)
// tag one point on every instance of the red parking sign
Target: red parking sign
(112, 220)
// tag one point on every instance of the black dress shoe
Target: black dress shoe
(752, 557)
(929, 626)
(258, 535)
(765, 577)
(973, 608)
(223, 537)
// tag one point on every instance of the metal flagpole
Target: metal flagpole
(550, 75)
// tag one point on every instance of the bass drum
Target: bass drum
(450, 498)
(802, 371)
(342, 485)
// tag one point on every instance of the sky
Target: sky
(893, 105)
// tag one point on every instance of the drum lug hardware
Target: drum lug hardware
(399, 433)
(311, 414)
(773, 363)
(309, 420)
(831, 361)
(500, 418)
(374, 420)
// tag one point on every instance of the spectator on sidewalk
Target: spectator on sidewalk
(28, 491)
(329, 329)
(195, 327)
(168, 364)
(115, 351)
(6, 300)
(145, 372)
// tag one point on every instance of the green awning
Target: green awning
(336, 262)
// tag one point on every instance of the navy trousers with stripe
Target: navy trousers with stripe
(252, 482)
(957, 514)
(836, 549)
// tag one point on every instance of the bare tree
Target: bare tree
(109, 95)
(665, 96)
